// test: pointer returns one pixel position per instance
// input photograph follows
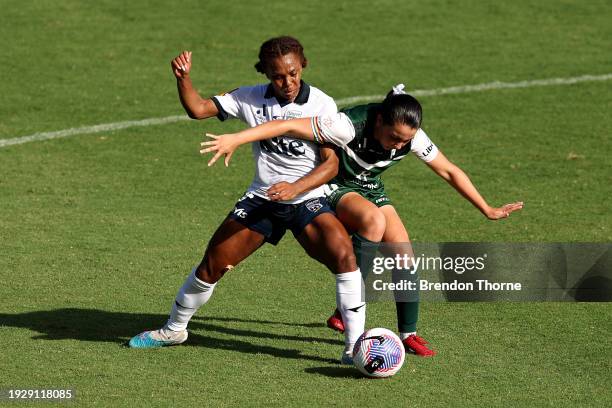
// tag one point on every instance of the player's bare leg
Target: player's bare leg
(326, 240)
(407, 312)
(230, 244)
(360, 216)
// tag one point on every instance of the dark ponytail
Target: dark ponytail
(401, 108)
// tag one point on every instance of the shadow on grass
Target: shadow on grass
(336, 372)
(237, 319)
(116, 327)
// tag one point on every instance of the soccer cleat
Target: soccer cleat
(158, 338)
(335, 322)
(346, 358)
(417, 345)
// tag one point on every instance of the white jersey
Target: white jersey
(282, 158)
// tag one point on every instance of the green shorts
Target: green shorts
(377, 196)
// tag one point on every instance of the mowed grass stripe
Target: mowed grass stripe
(496, 85)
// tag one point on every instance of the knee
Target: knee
(373, 225)
(211, 270)
(345, 257)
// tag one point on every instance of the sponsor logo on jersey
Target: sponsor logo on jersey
(314, 205)
(365, 183)
(380, 200)
(283, 146)
(293, 114)
(240, 212)
(428, 150)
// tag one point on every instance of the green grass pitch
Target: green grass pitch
(98, 231)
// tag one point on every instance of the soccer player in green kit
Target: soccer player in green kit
(371, 138)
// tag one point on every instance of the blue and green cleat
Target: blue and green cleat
(158, 338)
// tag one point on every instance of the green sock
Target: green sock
(407, 303)
(365, 251)
(407, 312)
(407, 316)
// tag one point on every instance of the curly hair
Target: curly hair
(277, 47)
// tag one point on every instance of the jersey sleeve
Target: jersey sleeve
(329, 108)
(336, 129)
(423, 147)
(230, 104)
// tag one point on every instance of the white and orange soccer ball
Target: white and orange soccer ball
(378, 353)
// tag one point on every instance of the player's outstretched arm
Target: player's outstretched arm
(462, 183)
(195, 106)
(228, 143)
(317, 177)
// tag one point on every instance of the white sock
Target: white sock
(350, 305)
(193, 294)
(404, 336)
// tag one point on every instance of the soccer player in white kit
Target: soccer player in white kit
(287, 169)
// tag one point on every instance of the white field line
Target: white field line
(106, 127)
(485, 87)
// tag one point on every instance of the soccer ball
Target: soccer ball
(378, 353)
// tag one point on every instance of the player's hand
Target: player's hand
(222, 145)
(282, 191)
(503, 212)
(181, 65)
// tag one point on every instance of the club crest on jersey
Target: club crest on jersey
(327, 122)
(314, 205)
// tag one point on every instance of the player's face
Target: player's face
(285, 74)
(393, 136)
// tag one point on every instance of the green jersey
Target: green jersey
(362, 158)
